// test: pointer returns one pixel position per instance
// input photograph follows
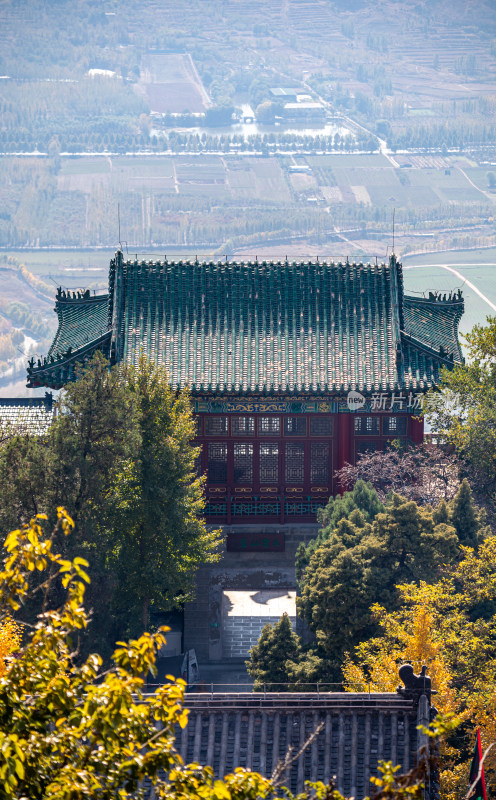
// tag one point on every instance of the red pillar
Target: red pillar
(416, 430)
(344, 442)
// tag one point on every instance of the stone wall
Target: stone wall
(203, 623)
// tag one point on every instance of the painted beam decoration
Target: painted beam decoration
(394, 402)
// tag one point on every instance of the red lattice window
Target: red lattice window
(269, 426)
(294, 463)
(269, 463)
(242, 426)
(243, 463)
(197, 468)
(216, 426)
(321, 426)
(367, 446)
(295, 426)
(366, 426)
(394, 426)
(319, 463)
(217, 462)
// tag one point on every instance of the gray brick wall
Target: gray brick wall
(239, 634)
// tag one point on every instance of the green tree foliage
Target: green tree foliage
(361, 561)
(470, 423)
(464, 518)
(118, 457)
(268, 664)
(156, 500)
(94, 430)
(71, 730)
(362, 497)
(219, 116)
(267, 111)
(20, 314)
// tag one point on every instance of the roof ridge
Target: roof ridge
(256, 263)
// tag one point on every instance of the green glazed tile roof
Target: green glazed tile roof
(261, 327)
(434, 322)
(81, 321)
(268, 327)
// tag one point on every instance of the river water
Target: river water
(247, 129)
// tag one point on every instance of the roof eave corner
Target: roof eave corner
(396, 268)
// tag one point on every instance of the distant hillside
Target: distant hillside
(27, 322)
(415, 72)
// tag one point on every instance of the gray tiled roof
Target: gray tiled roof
(20, 415)
(256, 730)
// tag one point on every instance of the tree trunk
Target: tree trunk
(146, 604)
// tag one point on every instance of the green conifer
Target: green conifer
(362, 563)
(277, 645)
(463, 516)
(362, 497)
(441, 513)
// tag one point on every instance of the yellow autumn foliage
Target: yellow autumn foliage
(451, 627)
(412, 639)
(10, 640)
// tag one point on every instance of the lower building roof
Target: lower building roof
(25, 415)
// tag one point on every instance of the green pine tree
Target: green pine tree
(362, 497)
(362, 563)
(268, 664)
(463, 516)
(441, 513)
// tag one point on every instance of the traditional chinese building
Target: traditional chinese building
(294, 369)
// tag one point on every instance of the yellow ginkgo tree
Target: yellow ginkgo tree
(450, 626)
(69, 730)
(10, 640)
(406, 635)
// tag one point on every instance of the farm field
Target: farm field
(425, 276)
(171, 84)
(209, 176)
(373, 180)
(173, 198)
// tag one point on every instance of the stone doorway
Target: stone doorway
(245, 612)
